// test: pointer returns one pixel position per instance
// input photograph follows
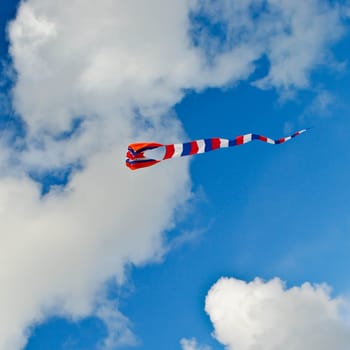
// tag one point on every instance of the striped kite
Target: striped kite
(136, 156)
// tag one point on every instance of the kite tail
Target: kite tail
(207, 145)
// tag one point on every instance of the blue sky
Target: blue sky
(97, 257)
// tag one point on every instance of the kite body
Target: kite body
(137, 158)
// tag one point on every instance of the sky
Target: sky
(210, 252)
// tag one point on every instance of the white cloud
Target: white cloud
(98, 59)
(321, 104)
(118, 326)
(129, 54)
(60, 249)
(120, 66)
(294, 36)
(268, 316)
(191, 344)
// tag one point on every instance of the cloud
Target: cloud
(267, 316)
(119, 67)
(321, 105)
(293, 36)
(118, 326)
(89, 61)
(61, 248)
(191, 344)
(148, 65)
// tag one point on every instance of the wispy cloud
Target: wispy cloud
(191, 344)
(294, 37)
(322, 105)
(118, 327)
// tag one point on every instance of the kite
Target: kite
(145, 154)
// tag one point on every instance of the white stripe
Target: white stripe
(287, 138)
(270, 141)
(224, 143)
(201, 146)
(177, 150)
(247, 138)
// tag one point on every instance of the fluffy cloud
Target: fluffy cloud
(61, 248)
(119, 67)
(97, 59)
(268, 316)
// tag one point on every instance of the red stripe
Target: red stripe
(194, 147)
(215, 143)
(130, 155)
(169, 151)
(239, 140)
(143, 146)
(139, 165)
(135, 156)
(262, 138)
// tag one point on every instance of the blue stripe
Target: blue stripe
(146, 148)
(232, 143)
(134, 161)
(208, 146)
(132, 151)
(186, 149)
(255, 137)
